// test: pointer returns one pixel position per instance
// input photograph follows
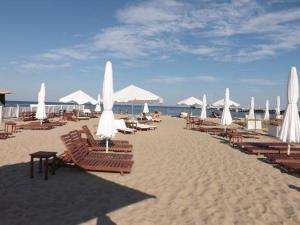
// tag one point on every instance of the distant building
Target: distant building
(3, 92)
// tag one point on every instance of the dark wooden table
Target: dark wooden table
(43, 155)
(11, 125)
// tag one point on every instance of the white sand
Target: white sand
(179, 177)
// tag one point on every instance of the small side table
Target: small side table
(43, 155)
(11, 125)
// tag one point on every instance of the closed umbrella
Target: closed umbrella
(278, 108)
(106, 127)
(290, 129)
(98, 106)
(267, 114)
(226, 115)
(204, 105)
(146, 109)
(251, 111)
(41, 108)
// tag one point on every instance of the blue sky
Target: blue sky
(175, 49)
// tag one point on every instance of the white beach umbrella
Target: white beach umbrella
(106, 127)
(98, 106)
(191, 101)
(220, 103)
(135, 95)
(251, 111)
(146, 108)
(226, 115)
(78, 97)
(277, 107)
(290, 129)
(267, 114)
(204, 105)
(41, 108)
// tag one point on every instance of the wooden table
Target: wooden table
(43, 155)
(9, 125)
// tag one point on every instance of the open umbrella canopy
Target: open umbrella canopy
(98, 106)
(220, 103)
(204, 105)
(106, 127)
(191, 101)
(290, 129)
(41, 108)
(251, 111)
(133, 94)
(226, 115)
(78, 97)
(267, 114)
(277, 110)
(146, 108)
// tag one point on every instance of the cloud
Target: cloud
(40, 66)
(233, 30)
(180, 79)
(259, 82)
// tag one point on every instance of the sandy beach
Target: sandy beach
(179, 177)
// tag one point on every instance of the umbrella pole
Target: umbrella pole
(289, 149)
(106, 145)
(132, 110)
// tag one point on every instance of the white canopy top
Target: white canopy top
(191, 101)
(220, 103)
(78, 97)
(133, 94)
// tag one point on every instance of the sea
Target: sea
(137, 109)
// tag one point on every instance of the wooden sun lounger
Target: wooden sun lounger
(261, 144)
(270, 150)
(100, 146)
(4, 135)
(80, 157)
(94, 142)
(291, 167)
(35, 127)
(282, 158)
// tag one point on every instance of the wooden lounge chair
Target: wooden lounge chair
(261, 144)
(101, 146)
(95, 142)
(82, 159)
(282, 158)
(4, 135)
(291, 167)
(75, 138)
(270, 150)
(35, 126)
(121, 127)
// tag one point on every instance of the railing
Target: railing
(16, 111)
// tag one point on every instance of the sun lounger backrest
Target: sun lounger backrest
(120, 124)
(76, 147)
(73, 149)
(89, 136)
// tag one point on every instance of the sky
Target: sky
(176, 49)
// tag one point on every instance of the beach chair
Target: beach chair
(82, 158)
(282, 158)
(95, 142)
(121, 127)
(113, 146)
(145, 127)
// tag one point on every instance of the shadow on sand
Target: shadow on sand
(70, 197)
